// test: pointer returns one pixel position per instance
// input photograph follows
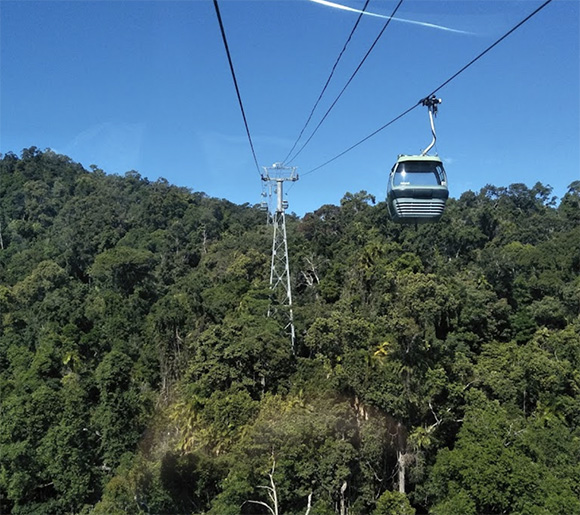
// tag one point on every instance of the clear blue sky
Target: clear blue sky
(145, 85)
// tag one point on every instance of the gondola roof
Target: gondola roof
(404, 158)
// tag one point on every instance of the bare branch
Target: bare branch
(263, 504)
(309, 504)
(272, 494)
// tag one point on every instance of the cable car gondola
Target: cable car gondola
(417, 188)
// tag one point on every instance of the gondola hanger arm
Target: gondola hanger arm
(431, 102)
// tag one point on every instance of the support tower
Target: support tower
(281, 293)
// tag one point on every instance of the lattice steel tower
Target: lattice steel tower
(281, 292)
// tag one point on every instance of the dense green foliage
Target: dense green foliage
(437, 369)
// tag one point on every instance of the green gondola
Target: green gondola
(417, 188)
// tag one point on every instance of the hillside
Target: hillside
(139, 373)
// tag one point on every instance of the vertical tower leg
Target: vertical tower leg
(281, 292)
(280, 286)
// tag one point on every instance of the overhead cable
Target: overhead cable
(329, 78)
(349, 80)
(217, 11)
(435, 90)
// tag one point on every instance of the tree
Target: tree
(120, 415)
(491, 465)
(393, 503)
(123, 268)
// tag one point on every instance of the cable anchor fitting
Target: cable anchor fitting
(431, 102)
